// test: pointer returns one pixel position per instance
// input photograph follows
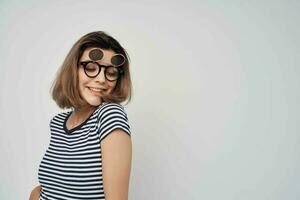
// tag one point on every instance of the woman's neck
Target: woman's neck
(83, 112)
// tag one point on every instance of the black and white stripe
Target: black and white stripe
(71, 168)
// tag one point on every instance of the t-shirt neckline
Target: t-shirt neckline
(69, 131)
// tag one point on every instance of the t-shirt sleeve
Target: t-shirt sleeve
(111, 117)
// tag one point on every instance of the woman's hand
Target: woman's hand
(35, 193)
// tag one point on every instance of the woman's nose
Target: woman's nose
(101, 76)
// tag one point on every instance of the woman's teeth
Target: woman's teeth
(96, 89)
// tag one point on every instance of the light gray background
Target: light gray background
(215, 110)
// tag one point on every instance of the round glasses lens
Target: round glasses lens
(91, 69)
(118, 60)
(96, 54)
(112, 73)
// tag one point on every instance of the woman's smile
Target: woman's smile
(96, 91)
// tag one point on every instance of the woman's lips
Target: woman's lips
(96, 91)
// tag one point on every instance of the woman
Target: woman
(90, 150)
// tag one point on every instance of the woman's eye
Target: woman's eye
(91, 67)
(112, 72)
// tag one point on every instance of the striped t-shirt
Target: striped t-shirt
(71, 167)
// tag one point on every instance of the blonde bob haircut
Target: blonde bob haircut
(65, 87)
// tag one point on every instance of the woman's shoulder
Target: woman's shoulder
(112, 116)
(110, 105)
(60, 116)
(110, 108)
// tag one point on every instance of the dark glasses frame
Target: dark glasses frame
(119, 69)
(116, 60)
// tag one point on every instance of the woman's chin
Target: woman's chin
(94, 101)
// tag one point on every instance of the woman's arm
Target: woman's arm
(35, 193)
(116, 150)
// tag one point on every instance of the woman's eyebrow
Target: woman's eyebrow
(96, 62)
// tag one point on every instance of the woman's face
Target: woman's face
(93, 89)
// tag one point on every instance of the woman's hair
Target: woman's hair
(65, 87)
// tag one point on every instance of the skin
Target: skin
(35, 193)
(116, 149)
(93, 99)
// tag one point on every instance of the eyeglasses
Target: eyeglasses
(92, 69)
(112, 73)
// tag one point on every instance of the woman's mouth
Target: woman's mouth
(96, 90)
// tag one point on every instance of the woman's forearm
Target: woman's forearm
(35, 193)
